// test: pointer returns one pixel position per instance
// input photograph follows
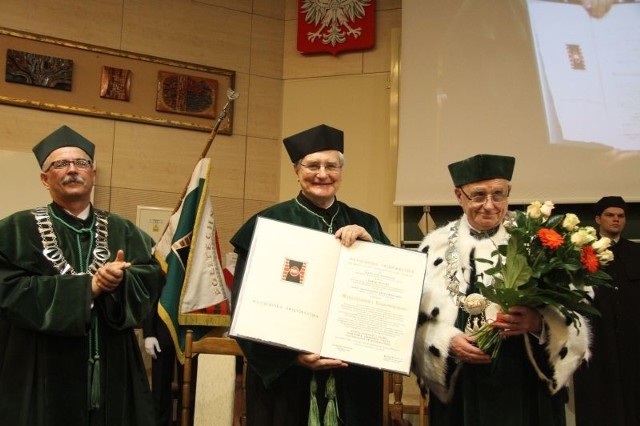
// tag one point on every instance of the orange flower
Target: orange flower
(550, 238)
(589, 259)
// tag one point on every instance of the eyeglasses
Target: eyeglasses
(480, 198)
(80, 163)
(328, 168)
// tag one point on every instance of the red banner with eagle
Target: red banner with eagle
(335, 26)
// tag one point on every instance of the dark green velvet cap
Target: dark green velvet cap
(610, 201)
(481, 167)
(319, 138)
(64, 136)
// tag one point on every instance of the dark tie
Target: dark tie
(481, 235)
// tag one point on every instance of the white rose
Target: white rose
(602, 244)
(570, 221)
(546, 208)
(591, 231)
(581, 237)
(605, 256)
(510, 220)
(533, 210)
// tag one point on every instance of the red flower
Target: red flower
(550, 238)
(589, 259)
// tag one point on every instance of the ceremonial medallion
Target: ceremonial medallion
(475, 304)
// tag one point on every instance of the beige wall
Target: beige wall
(281, 92)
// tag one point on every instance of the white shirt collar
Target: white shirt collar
(83, 214)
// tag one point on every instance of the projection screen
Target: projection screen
(539, 80)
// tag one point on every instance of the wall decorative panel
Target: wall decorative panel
(137, 100)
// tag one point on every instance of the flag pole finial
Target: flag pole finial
(232, 95)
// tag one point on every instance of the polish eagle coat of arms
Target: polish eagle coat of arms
(335, 25)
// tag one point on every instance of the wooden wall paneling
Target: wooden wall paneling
(125, 201)
(229, 218)
(157, 160)
(265, 107)
(96, 22)
(102, 197)
(252, 207)
(263, 169)
(228, 176)
(193, 31)
(267, 36)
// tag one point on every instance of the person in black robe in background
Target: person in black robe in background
(278, 380)
(607, 389)
(159, 346)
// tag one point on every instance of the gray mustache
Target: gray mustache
(72, 179)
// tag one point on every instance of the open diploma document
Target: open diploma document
(304, 290)
(590, 72)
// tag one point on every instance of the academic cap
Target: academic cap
(610, 201)
(481, 167)
(64, 136)
(319, 138)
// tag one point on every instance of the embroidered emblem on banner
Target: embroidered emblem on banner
(293, 271)
(335, 25)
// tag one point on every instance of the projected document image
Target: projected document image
(590, 72)
(555, 84)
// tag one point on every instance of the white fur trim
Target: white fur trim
(439, 329)
(559, 337)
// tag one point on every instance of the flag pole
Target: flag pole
(183, 226)
(231, 96)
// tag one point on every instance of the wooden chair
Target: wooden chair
(403, 396)
(215, 343)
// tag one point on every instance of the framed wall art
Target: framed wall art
(186, 94)
(38, 70)
(115, 83)
(111, 84)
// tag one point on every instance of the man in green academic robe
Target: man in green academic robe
(278, 379)
(74, 282)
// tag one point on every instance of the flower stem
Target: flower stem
(489, 340)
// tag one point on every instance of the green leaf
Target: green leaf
(554, 221)
(516, 271)
(481, 260)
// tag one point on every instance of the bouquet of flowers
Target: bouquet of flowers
(547, 261)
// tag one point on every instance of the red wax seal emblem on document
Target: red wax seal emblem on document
(293, 271)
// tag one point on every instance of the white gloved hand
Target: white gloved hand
(152, 346)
